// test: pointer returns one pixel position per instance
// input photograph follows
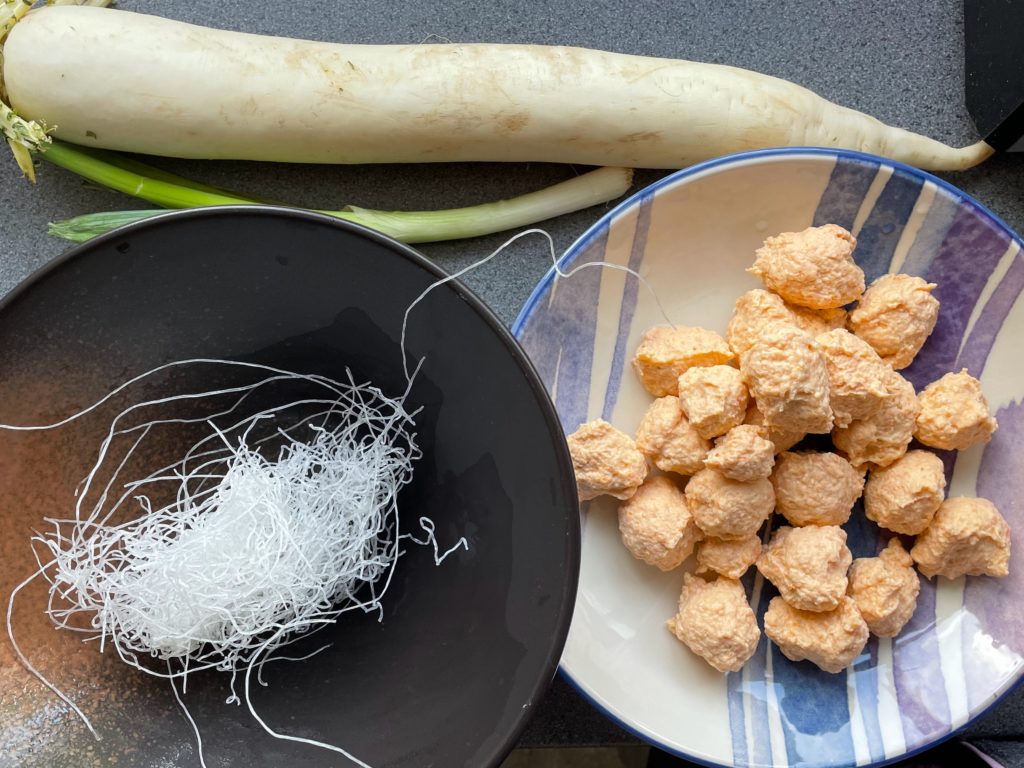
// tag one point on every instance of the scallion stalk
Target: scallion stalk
(85, 227)
(127, 163)
(593, 188)
(589, 189)
(93, 166)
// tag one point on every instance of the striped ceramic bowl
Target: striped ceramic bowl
(692, 235)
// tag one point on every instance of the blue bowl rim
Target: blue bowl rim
(604, 222)
(740, 157)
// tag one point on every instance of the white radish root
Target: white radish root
(138, 83)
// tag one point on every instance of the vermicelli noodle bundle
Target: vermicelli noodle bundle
(251, 549)
(274, 523)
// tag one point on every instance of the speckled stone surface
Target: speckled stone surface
(899, 62)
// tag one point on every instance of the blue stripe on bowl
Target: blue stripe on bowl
(566, 368)
(737, 719)
(883, 227)
(983, 335)
(958, 290)
(926, 245)
(920, 686)
(865, 540)
(846, 189)
(819, 706)
(579, 308)
(749, 689)
(629, 296)
(996, 602)
(865, 683)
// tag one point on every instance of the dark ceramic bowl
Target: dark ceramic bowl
(464, 651)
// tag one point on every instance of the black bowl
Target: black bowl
(450, 675)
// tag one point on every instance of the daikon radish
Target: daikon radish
(132, 82)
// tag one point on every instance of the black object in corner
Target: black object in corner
(994, 70)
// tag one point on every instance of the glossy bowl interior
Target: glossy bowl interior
(691, 236)
(463, 651)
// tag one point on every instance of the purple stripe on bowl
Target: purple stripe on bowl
(537, 336)
(571, 315)
(995, 603)
(884, 225)
(866, 684)
(579, 305)
(737, 720)
(970, 251)
(755, 689)
(929, 237)
(864, 539)
(983, 335)
(628, 307)
(847, 185)
(917, 669)
(920, 687)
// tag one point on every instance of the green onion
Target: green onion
(136, 179)
(82, 228)
(149, 171)
(591, 188)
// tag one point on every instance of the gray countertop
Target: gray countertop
(900, 62)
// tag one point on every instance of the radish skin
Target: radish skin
(138, 83)
(24, 136)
